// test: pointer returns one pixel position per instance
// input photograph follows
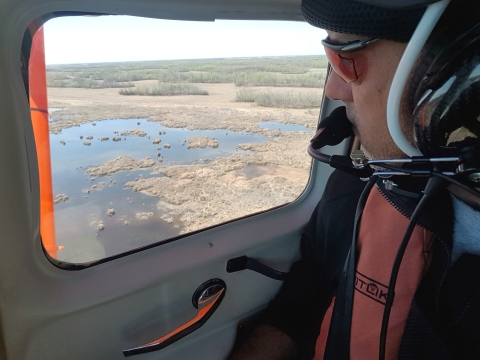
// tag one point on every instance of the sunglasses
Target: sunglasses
(344, 67)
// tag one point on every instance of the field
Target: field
(242, 94)
(178, 77)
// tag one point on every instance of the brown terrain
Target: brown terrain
(202, 194)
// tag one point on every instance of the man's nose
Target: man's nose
(337, 89)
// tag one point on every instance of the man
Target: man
(436, 308)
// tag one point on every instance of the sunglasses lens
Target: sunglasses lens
(345, 68)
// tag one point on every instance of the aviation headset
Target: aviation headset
(440, 71)
(445, 109)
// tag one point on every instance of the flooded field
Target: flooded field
(69, 145)
(134, 216)
(129, 171)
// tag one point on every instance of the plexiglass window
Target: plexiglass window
(157, 128)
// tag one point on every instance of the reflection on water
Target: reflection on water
(83, 227)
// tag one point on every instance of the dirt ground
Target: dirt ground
(200, 195)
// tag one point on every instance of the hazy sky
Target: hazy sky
(121, 38)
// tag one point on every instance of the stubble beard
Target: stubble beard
(384, 149)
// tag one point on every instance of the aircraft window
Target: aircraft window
(158, 128)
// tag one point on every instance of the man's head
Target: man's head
(366, 97)
(362, 78)
(374, 65)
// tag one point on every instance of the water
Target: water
(273, 125)
(74, 151)
(77, 219)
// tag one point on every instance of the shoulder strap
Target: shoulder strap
(338, 341)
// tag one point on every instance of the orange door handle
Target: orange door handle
(206, 299)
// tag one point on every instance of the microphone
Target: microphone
(332, 131)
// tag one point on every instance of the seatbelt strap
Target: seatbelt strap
(338, 341)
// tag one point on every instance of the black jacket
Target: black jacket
(444, 319)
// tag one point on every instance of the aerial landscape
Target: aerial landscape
(146, 151)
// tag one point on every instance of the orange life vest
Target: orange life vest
(381, 230)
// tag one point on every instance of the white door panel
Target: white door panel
(101, 311)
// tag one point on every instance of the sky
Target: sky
(71, 40)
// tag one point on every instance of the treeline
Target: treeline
(302, 71)
(239, 79)
(283, 99)
(165, 90)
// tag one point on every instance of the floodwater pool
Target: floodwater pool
(137, 220)
(98, 216)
